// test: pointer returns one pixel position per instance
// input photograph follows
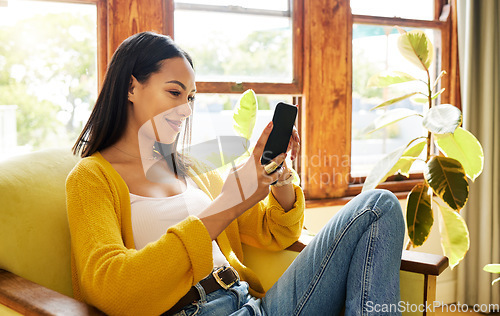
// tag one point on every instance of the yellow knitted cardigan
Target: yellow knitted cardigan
(109, 273)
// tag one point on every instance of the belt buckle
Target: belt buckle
(219, 280)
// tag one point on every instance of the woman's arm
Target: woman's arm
(123, 281)
(262, 217)
(244, 187)
(284, 194)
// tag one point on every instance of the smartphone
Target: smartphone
(283, 119)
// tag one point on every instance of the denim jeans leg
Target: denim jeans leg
(353, 261)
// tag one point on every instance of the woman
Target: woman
(155, 232)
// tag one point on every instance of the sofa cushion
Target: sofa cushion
(34, 233)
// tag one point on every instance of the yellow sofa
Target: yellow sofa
(35, 273)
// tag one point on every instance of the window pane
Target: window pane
(213, 115)
(408, 9)
(48, 73)
(375, 50)
(281, 5)
(236, 47)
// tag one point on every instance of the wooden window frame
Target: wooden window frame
(293, 88)
(339, 192)
(322, 50)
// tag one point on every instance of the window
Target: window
(235, 46)
(240, 45)
(374, 49)
(48, 73)
(344, 43)
(328, 40)
(405, 9)
(237, 43)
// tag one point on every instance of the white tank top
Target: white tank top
(151, 217)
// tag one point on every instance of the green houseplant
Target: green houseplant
(493, 268)
(445, 175)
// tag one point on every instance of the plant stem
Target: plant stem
(408, 244)
(429, 135)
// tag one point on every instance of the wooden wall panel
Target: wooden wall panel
(327, 94)
(127, 17)
(119, 19)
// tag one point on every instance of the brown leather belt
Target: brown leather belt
(222, 278)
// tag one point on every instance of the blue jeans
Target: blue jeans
(352, 263)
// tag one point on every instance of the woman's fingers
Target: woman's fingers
(261, 143)
(275, 174)
(294, 144)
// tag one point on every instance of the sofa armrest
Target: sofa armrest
(29, 298)
(423, 263)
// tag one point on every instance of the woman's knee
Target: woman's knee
(389, 206)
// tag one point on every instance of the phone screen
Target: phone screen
(283, 121)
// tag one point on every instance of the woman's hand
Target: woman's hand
(294, 144)
(245, 186)
(249, 183)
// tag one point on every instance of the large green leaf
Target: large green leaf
(395, 100)
(388, 118)
(416, 149)
(407, 159)
(245, 114)
(381, 170)
(443, 118)
(420, 99)
(446, 177)
(417, 48)
(454, 234)
(387, 78)
(493, 268)
(419, 217)
(425, 99)
(464, 147)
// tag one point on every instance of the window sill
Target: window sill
(400, 188)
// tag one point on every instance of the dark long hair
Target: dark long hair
(139, 55)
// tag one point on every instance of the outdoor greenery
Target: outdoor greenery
(48, 69)
(445, 176)
(259, 54)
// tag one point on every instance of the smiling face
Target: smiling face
(164, 101)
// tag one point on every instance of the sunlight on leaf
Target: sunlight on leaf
(416, 47)
(493, 268)
(407, 159)
(380, 172)
(443, 118)
(388, 118)
(419, 217)
(437, 94)
(420, 99)
(446, 177)
(441, 74)
(464, 147)
(245, 114)
(381, 168)
(454, 234)
(395, 100)
(387, 78)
